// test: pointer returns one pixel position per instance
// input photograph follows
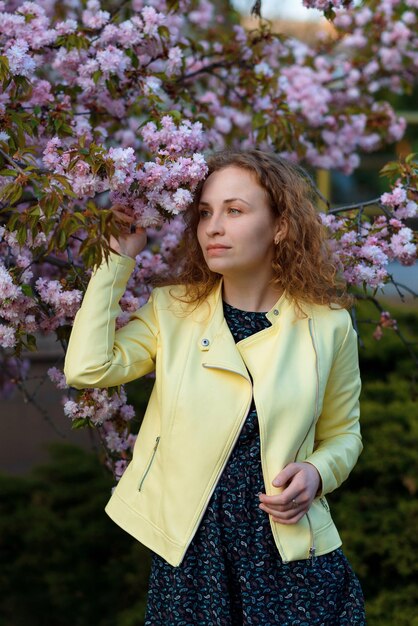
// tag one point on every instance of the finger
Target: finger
(285, 498)
(284, 511)
(122, 217)
(292, 520)
(121, 208)
(290, 516)
(286, 475)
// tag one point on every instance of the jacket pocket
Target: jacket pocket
(148, 466)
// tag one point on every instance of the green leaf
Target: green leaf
(410, 158)
(164, 32)
(31, 342)
(390, 168)
(79, 422)
(7, 172)
(96, 76)
(27, 290)
(62, 239)
(21, 235)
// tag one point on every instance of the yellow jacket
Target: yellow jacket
(306, 387)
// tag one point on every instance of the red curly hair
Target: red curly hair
(302, 263)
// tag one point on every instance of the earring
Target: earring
(277, 239)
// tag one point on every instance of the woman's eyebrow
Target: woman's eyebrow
(225, 201)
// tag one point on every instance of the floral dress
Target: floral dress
(232, 573)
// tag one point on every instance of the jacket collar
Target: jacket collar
(216, 340)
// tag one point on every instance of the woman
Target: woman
(254, 413)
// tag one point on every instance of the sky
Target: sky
(284, 9)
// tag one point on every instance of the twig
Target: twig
(11, 161)
(355, 326)
(350, 207)
(206, 68)
(71, 262)
(29, 398)
(397, 284)
(408, 344)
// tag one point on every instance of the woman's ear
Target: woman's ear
(281, 231)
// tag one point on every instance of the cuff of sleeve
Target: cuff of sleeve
(116, 262)
(322, 471)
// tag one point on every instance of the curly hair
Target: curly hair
(302, 262)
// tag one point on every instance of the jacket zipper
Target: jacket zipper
(312, 548)
(276, 534)
(157, 441)
(224, 462)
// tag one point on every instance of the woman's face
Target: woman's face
(237, 226)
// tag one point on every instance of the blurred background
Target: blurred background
(63, 562)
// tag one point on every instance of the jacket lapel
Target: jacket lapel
(216, 342)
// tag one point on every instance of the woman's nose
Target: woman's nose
(214, 226)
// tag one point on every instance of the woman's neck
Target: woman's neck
(249, 295)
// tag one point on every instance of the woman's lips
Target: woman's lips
(216, 249)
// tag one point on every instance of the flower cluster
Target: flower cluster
(109, 413)
(363, 250)
(100, 108)
(166, 185)
(385, 321)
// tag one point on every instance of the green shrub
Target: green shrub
(64, 562)
(376, 510)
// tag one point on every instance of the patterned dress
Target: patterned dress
(232, 573)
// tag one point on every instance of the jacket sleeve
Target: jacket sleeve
(337, 436)
(99, 356)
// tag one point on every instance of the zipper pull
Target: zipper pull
(312, 551)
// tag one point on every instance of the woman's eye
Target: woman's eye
(203, 213)
(234, 210)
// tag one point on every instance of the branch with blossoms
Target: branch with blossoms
(363, 245)
(106, 104)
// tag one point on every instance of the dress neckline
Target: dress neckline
(230, 308)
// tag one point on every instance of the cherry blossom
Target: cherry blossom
(122, 106)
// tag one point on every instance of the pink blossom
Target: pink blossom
(152, 19)
(114, 442)
(57, 377)
(112, 61)
(20, 62)
(94, 17)
(65, 303)
(8, 290)
(125, 163)
(203, 15)
(396, 197)
(175, 56)
(403, 247)
(119, 467)
(7, 337)
(127, 412)
(66, 27)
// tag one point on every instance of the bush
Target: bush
(376, 510)
(64, 562)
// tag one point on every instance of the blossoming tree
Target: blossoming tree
(118, 102)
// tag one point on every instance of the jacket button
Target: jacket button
(205, 342)
(276, 311)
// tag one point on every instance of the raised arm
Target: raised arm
(97, 355)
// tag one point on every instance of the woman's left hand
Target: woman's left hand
(300, 482)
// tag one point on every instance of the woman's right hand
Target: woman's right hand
(128, 243)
